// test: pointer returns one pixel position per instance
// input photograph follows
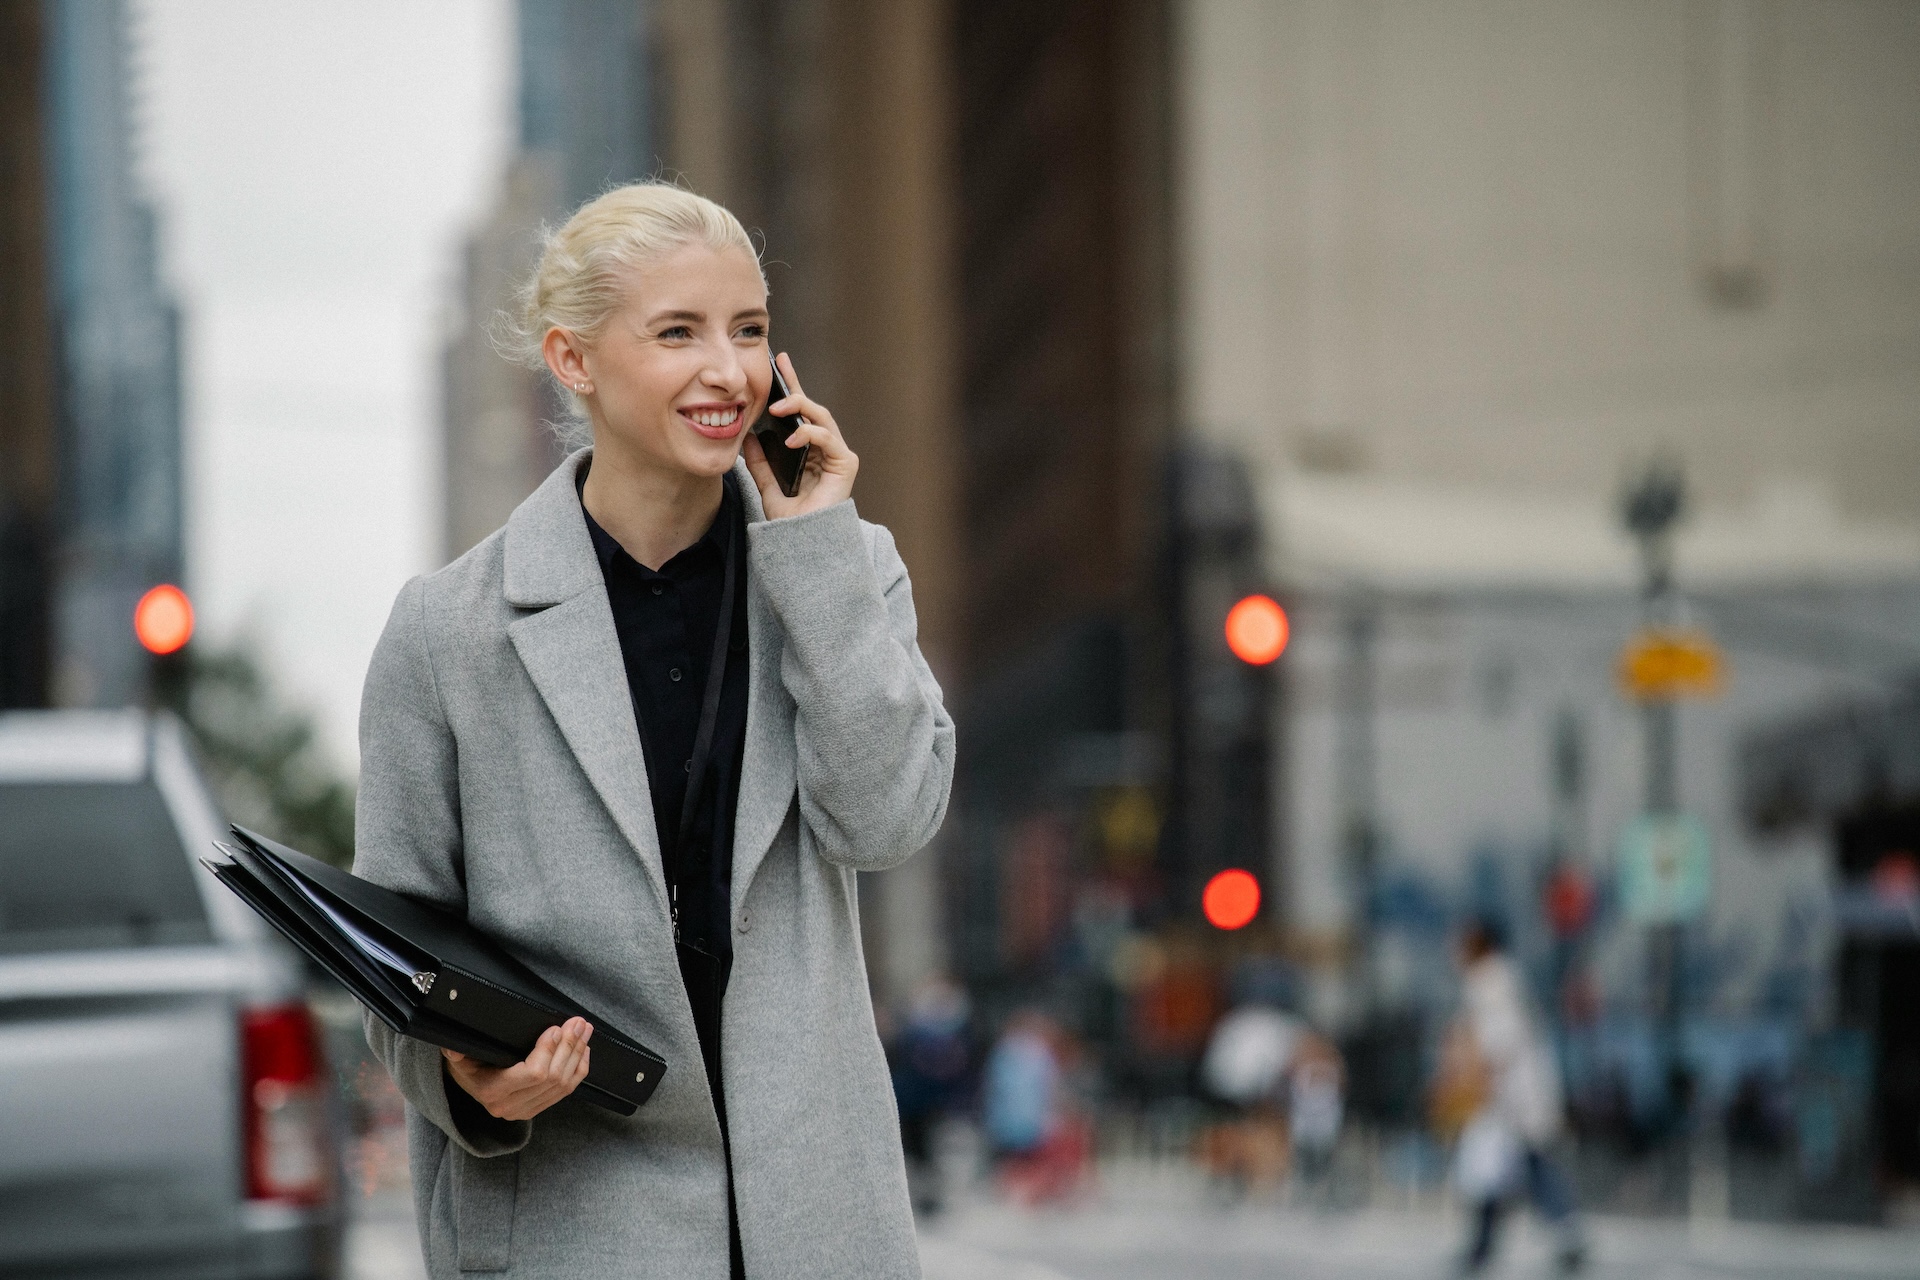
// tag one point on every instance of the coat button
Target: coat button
(674, 675)
(746, 920)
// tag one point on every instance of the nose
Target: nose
(725, 372)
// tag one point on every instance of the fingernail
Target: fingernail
(587, 1034)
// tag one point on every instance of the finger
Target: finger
(757, 466)
(543, 1050)
(573, 1043)
(453, 1055)
(771, 494)
(804, 411)
(824, 439)
(564, 1086)
(535, 1101)
(564, 1058)
(786, 371)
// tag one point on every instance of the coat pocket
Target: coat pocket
(483, 1196)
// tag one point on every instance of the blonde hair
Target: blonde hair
(576, 285)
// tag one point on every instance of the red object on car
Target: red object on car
(284, 1102)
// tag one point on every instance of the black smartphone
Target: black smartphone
(787, 464)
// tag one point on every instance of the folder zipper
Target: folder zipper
(424, 981)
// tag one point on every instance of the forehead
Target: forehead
(717, 282)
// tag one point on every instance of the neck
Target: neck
(653, 512)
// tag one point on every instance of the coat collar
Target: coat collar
(549, 554)
(572, 654)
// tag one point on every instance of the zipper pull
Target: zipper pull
(676, 912)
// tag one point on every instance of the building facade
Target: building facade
(1450, 274)
(584, 111)
(121, 473)
(27, 378)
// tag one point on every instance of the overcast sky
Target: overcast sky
(315, 167)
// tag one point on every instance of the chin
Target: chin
(716, 459)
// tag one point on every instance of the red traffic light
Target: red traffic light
(163, 620)
(1257, 630)
(1231, 900)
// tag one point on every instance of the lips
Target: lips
(715, 421)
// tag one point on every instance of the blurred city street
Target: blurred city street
(1157, 1225)
(1145, 1218)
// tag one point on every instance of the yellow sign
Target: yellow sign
(1658, 665)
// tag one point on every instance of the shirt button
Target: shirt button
(746, 920)
(688, 766)
(657, 588)
(674, 674)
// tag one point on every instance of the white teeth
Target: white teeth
(715, 418)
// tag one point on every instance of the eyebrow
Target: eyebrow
(698, 316)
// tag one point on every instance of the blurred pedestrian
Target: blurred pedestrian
(1285, 1084)
(556, 744)
(1316, 1105)
(1042, 1144)
(930, 1061)
(1517, 1112)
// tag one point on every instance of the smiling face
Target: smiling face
(680, 369)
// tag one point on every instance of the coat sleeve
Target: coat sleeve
(407, 838)
(874, 744)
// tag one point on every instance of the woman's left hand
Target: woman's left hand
(831, 466)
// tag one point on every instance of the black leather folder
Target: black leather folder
(424, 972)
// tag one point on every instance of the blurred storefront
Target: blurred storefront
(1848, 775)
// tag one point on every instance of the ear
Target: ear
(566, 356)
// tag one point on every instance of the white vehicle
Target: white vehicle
(165, 1105)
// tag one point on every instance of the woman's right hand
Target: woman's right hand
(522, 1091)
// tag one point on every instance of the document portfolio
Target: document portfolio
(424, 972)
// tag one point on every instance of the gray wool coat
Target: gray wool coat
(501, 776)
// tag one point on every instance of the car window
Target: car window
(93, 865)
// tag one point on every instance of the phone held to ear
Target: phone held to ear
(773, 430)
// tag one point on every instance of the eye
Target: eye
(676, 333)
(753, 332)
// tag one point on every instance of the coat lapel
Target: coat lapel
(572, 654)
(767, 767)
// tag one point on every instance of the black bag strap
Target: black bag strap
(710, 696)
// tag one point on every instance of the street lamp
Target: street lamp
(1664, 856)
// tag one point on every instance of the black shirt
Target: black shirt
(665, 623)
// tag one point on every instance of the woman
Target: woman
(1519, 1113)
(539, 753)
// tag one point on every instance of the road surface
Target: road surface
(1153, 1224)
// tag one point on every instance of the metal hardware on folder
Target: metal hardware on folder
(424, 981)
